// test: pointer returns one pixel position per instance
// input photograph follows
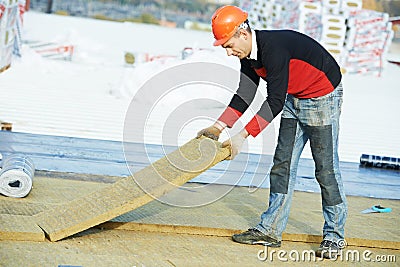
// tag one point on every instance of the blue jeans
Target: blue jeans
(317, 120)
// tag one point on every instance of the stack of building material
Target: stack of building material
(348, 6)
(368, 38)
(11, 12)
(325, 21)
(289, 15)
(260, 13)
(334, 34)
(357, 38)
(310, 21)
(333, 7)
(273, 14)
(8, 16)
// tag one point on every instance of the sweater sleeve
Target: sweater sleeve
(244, 95)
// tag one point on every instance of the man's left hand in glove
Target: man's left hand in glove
(235, 143)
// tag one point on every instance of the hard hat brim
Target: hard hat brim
(221, 41)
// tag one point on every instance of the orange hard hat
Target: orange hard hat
(225, 22)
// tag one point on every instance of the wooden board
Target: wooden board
(129, 193)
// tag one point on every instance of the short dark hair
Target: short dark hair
(248, 29)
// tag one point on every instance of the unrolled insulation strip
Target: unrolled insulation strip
(129, 193)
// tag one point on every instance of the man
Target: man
(304, 81)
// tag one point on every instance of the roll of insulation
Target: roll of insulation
(380, 161)
(16, 175)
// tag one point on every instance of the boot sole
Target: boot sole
(266, 243)
(260, 242)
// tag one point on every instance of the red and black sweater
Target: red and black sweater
(291, 63)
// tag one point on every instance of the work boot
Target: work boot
(328, 250)
(254, 236)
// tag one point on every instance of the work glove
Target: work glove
(212, 132)
(235, 143)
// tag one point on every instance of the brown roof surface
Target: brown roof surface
(158, 234)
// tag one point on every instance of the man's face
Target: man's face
(239, 46)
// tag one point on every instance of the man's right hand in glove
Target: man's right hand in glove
(213, 131)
